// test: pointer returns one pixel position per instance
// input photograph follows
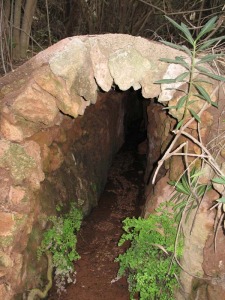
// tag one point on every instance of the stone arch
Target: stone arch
(61, 81)
(67, 76)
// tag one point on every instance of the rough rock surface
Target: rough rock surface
(47, 157)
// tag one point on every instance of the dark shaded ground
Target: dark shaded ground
(101, 231)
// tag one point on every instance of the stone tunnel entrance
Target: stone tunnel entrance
(122, 197)
(50, 155)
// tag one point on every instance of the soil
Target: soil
(123, 197)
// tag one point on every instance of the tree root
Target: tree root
(37, 292)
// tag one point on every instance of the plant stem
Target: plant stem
(190, 85)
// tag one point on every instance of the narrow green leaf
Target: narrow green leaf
(180, 90)
(182, 61)
(175, 24)
(193, 113)
(181, 101)
(203, 93)
(166, 81)
(179, 205)
(187, 33)
(202, 69)
(220, 180)
(209, 74)
(176, 61)
(208, 43)
(191, 102)
(181, 77)
(176, 195)
(216, 77)
(182, 189)
(172, 182)
(169, 60)
(202, 80)
(209, 57)
(170, 107)
(200, 97)
(187, 50)
(195, 174)
(179, 124)
(221, 200)
(185, 184)
(207, 27)
(178, 47)
(214, 104)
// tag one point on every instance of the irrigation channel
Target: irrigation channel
(123, 197)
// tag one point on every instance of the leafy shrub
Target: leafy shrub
(189, 192)
(149, 263)
(60, 240)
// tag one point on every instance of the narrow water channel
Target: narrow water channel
(101, 230)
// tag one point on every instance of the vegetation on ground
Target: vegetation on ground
(149, 262)
(60, 242)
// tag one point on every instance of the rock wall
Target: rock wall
(73, 161)
(203, 262)
(41, 142)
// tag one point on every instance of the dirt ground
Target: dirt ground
(101, 230)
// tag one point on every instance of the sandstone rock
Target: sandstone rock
(23, 161)
(36, 174)
(35, 105)
(6, 223)
(10, 131)
(99, 57)
(194, 243)
(5, 292)
(127, 67)
(18, 199)
(74, 65)
(162, 192)
(56, 86)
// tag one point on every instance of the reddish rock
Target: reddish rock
(54, 158)
(36, 105)
(6, 223)
(5, 292)
(10, 131)
(56, 86)
(18, 199)
(36, 174)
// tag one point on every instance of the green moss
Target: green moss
(19, 162)
(6, 241)
(20, 220)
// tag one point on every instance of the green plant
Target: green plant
(188, 192)
(149, 263)
(60, 240)
(197, 63)
(198, 71)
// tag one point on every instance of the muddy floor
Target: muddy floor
(96, 277)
